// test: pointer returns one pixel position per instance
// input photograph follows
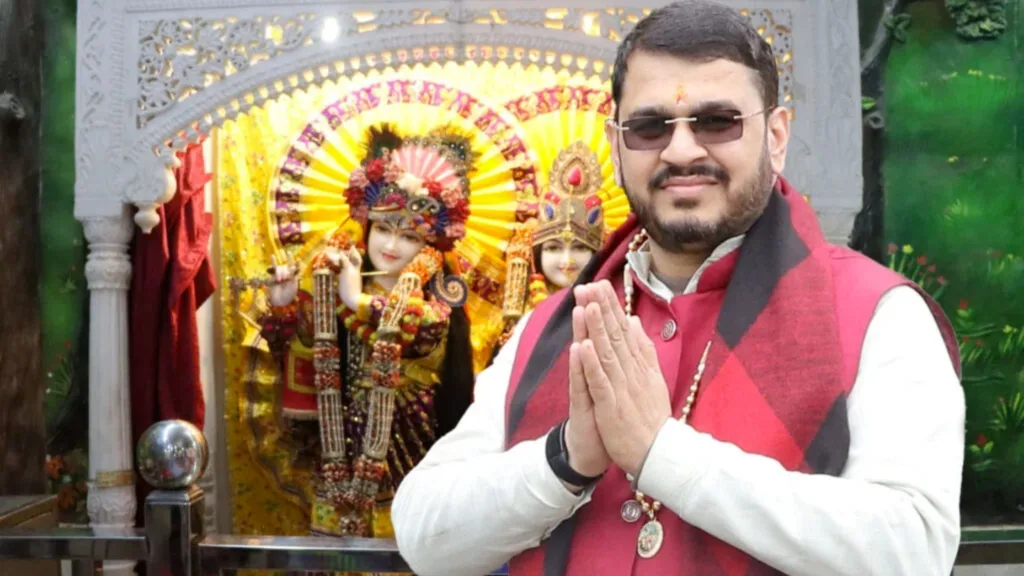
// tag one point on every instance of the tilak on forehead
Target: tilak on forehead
(680, 93)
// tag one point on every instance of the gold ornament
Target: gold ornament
(572, 208)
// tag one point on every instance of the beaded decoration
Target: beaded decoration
(652, 534)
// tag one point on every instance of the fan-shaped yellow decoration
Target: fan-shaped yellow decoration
(555, 117)
(307, 203)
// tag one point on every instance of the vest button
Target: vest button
(668, 330)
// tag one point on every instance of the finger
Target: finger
(620, 319)
(648, 353)
(598, 384)
(616, 307)
(588, 293)
(617, 337)
(273, 260)
(598, 334)
(579, 324)
(580, 293)
(579, 397)
(616, 330)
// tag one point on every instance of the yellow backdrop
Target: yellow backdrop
(518, 119)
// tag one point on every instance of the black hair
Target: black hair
(701, 31)
(454, 393)
(537, 251)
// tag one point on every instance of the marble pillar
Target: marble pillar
(108, 271)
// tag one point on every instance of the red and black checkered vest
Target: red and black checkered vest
(786, 313)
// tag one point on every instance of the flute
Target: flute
(269, 281)
(295, 270)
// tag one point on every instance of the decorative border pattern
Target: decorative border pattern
(180, 57)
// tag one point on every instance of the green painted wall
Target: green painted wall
(62, 285)
(954, 216)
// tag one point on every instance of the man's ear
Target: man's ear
(612, 134)
(778, 138)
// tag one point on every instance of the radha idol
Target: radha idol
(563, 233)
(391, 361)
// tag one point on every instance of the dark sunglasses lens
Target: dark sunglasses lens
(646, 133)
(718, 127)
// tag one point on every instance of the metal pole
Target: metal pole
(174, 525)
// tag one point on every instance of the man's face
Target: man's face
(697, 189)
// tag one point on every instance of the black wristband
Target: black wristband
(558, 459)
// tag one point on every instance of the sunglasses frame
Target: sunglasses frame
(687, 119)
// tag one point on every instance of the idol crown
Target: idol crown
(571, 208)
(414, 182)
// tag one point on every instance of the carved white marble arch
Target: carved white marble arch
(154, 74)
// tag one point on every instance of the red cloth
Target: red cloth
(787, 314)
(171, 278)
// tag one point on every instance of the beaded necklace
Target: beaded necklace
(652, 534)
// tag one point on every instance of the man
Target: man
(722, 392)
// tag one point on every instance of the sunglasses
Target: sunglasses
(655, 132)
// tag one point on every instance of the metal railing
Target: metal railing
(173, 539)
(173, 542)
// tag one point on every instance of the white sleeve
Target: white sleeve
(895, 508)
(469, 506)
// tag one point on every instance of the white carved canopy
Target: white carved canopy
(155, 74)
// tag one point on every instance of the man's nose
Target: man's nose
(683, 149)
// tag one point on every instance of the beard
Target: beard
(745, 204)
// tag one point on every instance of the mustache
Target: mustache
(659, 178)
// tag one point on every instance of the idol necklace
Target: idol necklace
(652, 534)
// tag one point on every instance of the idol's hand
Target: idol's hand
(350, 279)
(631, 400)
(285, 285)
(587, 455)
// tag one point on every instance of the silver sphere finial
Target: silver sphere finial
(172, 454)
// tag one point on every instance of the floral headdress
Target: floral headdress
(572, 209)
(417, 183)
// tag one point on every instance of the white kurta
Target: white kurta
(470, 505)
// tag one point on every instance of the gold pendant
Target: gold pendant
(651, 537)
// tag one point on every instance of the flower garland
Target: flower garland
(538, 289)
(399, 323)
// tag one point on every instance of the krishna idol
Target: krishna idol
(391, 361)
